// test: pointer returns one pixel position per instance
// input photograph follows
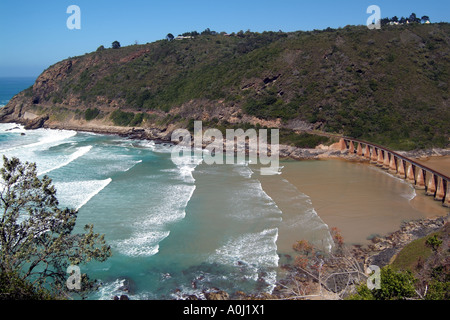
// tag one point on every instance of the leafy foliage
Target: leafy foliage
(91, 114)
(122, 118)
(418, 272)
(13, 287)
(434, 242)
(395, 285)
(115, 45)
(36, 239)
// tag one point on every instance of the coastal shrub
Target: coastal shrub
(438, 290)
(303, 140)
(137, 119)
(434, 242)
(91, 114)
(395, 285)
(122, 118)
(29, 92)
(12, 287)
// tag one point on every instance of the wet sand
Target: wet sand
(361, 200)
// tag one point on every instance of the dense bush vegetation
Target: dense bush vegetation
(91, 114)
(388, 86)
(12, 287)
(420, 271)
(124, 119)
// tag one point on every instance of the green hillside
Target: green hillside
(388, 86)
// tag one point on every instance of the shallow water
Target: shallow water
(361, 200)
(178, 228)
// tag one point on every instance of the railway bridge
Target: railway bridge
(435, 184)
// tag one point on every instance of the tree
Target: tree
(170, 37)
(37, 243)
(425, 19)
(395, 285)
(207, 31)
(385, 21)
(413, 18)
(116, 45)
(335, 271)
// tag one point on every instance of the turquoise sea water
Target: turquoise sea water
(171, 226)
(175, 228)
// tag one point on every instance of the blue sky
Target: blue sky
(34, 35)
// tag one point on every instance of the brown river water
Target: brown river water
(359, 199)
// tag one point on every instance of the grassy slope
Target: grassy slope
(388, 86)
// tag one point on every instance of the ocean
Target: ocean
(177, 229)
(10, 86)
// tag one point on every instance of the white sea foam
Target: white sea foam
(111, 162)
(48, 138)
(171, 209)
(154, 227)
(298, 214)
(133, 165)
(155, 147)
(253, 201)
(76, 194)
(11, 127)
(411, 195)
(108, 290)
(243, 170)
(186, 166)
(141, 244)
(256, 249)
(77, 154)
(254, 252)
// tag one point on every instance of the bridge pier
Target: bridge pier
(367, 152)
(374, 158)
(401, 169)
(392, 165)
(447, 196)
(380, 159)
(410, 173)
(431, 186)
(359, 151)
(351, 147)
(386, 161)
(440, 191)
(420, 181)
(342, 144)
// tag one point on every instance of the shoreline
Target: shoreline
(430, 157)
(163, 135)
(381, 249)
(419, 202)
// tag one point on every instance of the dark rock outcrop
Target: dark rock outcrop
(35, 123)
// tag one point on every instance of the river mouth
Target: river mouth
(180, 228)
(359, 199)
